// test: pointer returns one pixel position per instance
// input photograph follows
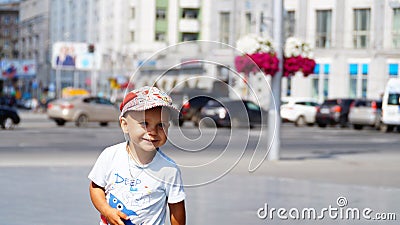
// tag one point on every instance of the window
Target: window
(393, 69)
(224, 27)
(6, 19)
(6, 32)
(160, 36)
(133, 13)
(161, 13)
(396, 28)
(190, 36)
(190, 13)
(394, 99)
(361, 28)
(321, 79)
(290, 24)
(248, 23)
(6, 45)
(358, 80)
(323, 33)
(132, 35)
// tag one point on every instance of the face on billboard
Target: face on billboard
(72, 55)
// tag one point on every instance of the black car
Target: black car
(8, 117)
(333, 112)
(233, 113)
(190, 110)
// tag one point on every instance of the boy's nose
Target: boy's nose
(151, 130)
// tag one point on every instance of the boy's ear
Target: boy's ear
(124, 124)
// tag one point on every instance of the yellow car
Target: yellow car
(83, 109)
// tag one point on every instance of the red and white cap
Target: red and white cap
(145, 98)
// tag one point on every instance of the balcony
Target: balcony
(189, 26)
(190, 4)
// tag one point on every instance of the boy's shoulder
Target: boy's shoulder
(165, 160)
(114, 149)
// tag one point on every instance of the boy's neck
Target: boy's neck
(140, 156)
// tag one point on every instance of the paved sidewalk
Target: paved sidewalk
(52, 187)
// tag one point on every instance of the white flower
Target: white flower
(253, 43)
(295, 47)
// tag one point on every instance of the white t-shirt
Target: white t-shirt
(141, 192)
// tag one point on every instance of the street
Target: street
(44, 172)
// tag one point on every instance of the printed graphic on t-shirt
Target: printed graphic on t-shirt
(139, 194)
(117, 204)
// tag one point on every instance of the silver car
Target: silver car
(365, 112)
(82, 110)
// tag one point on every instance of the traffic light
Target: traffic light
(91, 48)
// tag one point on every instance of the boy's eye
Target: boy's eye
(163, 125)
(144, 124)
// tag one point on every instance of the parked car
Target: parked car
(299, 111)
(9, 117)
(334, 111)
(391, 106)
(365, 112)
(233, 113)
(191, 109)
(82, 110)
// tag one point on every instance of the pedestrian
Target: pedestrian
(133, 182)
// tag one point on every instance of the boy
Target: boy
(132, 182)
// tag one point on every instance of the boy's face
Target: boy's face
(147, 129)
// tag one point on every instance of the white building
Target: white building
(356, 41)
(157, 30)
(357, 46)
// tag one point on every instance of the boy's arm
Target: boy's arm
(177, 213)
(98, 197)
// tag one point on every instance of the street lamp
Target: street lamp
(274, 123)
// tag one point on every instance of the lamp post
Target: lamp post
(274, 122)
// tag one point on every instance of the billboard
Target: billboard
(11, 68)
(74, 55)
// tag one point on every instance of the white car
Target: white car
(299, 111)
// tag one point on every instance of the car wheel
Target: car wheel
(60, 122)
(357, 127)
(103, 124)
(386, 128)
(323, 125)
(81, 121)
(343, 122)
(8, 124)
(300, 121)
(377, 125)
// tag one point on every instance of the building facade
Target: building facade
(356, 46)
(356, 42)
(34, 42)
(9, 20)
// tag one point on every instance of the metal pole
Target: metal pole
(274, 119)
(58, 82)
(76, 79)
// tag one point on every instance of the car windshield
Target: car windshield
(330, 102)
(394, 99)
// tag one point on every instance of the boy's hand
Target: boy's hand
(115, 217)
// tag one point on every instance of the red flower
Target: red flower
(244, 64)
(298, 63)
(267, 62)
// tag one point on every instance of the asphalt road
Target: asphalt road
(44, 169)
